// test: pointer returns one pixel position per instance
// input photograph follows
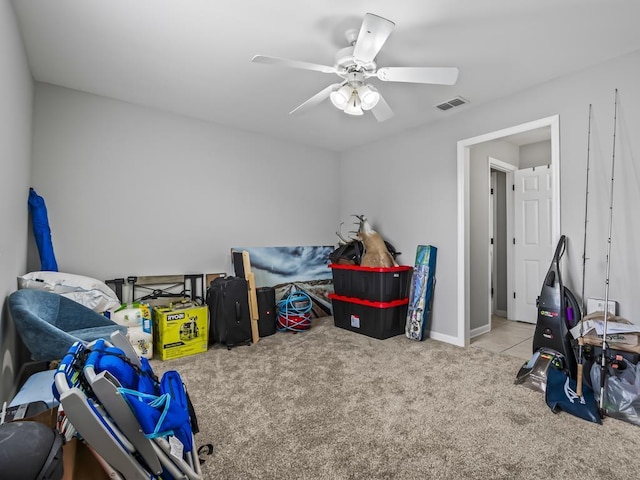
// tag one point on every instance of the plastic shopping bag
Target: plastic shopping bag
(621, 390)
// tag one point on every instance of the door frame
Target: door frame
(507, 169)
(493, 262)
(463, 158)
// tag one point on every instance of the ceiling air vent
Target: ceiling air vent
(454, 102)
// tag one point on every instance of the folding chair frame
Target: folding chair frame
(101, 415)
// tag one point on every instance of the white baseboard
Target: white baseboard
(441, 337)
(480, 330)
(501, 313)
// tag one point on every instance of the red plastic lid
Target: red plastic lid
(369, 303)
(339, 266)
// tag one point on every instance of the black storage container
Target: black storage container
(375, 319)
(371, 283)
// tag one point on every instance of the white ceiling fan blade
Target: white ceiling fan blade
(373, 33)
(285, 62)
(434, 75)
(317, 99)
(382, 111)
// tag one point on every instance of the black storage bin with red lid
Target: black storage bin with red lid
(371, 283)
(379, 320)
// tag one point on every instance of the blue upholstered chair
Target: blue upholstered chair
(49, 323)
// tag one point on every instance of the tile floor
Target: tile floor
(508, 337)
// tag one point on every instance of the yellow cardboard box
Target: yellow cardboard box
(178, 332)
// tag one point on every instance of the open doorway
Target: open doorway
(475, 259)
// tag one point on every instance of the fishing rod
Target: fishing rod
(584, 268)
(603, 362)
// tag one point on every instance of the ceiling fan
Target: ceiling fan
(356, 64)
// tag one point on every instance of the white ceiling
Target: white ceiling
(192, 57)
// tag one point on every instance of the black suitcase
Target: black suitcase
(229, 317)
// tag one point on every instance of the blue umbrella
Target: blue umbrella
(42, 232)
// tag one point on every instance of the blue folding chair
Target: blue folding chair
(139, 425)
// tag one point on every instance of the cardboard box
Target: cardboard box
(178, 332)
(618, 332)
(78, 460)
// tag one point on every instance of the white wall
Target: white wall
(535, 154)
(16, 98)
(407, 188)
(135, 191)
(408, 184)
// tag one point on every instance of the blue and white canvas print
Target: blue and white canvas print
(287, 269)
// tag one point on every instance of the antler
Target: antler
(361, 220)
(339, 234)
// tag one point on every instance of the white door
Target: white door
(532, 238)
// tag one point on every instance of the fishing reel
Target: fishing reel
(617, 362)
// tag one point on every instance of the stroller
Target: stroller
(138, 426)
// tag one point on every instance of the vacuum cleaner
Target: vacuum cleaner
(558, 312)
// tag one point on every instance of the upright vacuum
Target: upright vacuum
(558, 312)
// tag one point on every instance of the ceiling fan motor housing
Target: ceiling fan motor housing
(344, 59)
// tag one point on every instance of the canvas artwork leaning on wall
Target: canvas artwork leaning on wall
(291, 269)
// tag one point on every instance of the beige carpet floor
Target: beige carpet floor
(332, 404)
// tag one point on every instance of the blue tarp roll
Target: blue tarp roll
(42, 232)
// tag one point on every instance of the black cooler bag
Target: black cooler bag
(30, 451)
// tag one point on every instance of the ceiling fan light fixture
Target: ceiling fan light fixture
(355, 64)
(340, 97)
(369, 96)
(353, 106)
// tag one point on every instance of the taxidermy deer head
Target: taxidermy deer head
(376, 253)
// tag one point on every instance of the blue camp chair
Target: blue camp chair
(49, 323)
(133, 421)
